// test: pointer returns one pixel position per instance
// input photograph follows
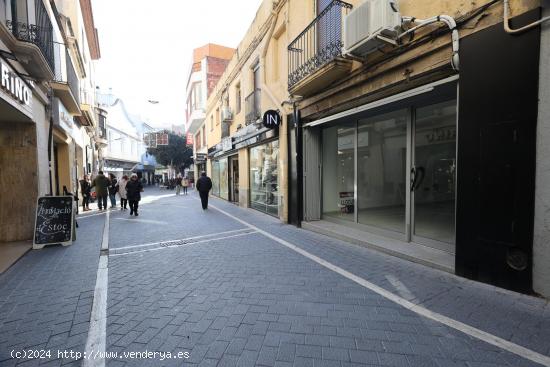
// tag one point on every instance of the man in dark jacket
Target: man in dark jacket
(204, 185)
(101, 183)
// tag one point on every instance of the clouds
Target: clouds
(146, 48)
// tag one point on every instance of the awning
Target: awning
(118, 166)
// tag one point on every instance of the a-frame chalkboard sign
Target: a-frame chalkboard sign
(54, 223)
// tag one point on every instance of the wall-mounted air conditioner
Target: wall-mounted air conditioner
(227, 115)
(369, 23)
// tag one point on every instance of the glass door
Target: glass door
(433, 175)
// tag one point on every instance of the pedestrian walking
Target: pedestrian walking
(204, 185)
(122, 192)
(178, 184)
(185, 184)
(86, 190)
(113, 188)
(134, 188)
(101, 184)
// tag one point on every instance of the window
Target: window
(211, 123)
(204, 136)
(196, 97)
(238, 98)
(217, 116)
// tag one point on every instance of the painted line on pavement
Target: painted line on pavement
(97, 333)
(182, 245)
(457, 325)
(80, 216)
(181, 239)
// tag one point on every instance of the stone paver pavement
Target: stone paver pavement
(230, 296)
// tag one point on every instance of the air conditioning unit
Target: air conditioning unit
(369, 23)
(227, 115)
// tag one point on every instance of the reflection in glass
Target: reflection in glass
(381, 172)
(215, 178)
(224, 193)
(338, 172)
(264, 180)
(434, 172)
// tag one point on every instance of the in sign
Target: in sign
(272, 119)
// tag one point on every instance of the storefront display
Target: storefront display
(264, 179)
(394, 173)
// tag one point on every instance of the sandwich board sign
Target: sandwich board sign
(54, 222)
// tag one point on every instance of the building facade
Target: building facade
(42, 141)
(209, 62)
(246, 160)
(124, 150)
(77, 132)
(418, 147)
(412, 142)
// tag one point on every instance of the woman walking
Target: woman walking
(133, 192)
(122, 192)
(86, 190)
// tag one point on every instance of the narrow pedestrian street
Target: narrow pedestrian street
(234, 287)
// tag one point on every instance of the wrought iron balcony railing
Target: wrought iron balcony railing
(252, 106)
(318, 44)
(64, 70)
(40, 33)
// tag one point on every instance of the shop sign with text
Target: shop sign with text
(14, 85)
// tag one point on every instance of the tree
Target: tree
(176, 154)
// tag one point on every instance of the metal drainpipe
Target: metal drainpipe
(299, 165)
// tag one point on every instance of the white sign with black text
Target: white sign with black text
(14, 85)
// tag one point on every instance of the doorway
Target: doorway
(394, 173)
(234, 179)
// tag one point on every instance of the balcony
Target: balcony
(66, 85)
(195, 118)
(31, 40)
(315, 56)
(87, 105)
(253, 107)
(101, 132)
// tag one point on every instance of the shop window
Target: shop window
(264, 179)
(339, 172)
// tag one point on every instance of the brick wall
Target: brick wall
(216, 67)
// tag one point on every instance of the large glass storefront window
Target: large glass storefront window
(338, 172)
(215, 178)
(434, 172)
(403, 182)
(224, 191)
(381, 170)
(264, 178)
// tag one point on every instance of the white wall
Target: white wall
(42, 129)
(541, 245)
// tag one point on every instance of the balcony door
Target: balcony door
(329, 28)
(257, 102)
